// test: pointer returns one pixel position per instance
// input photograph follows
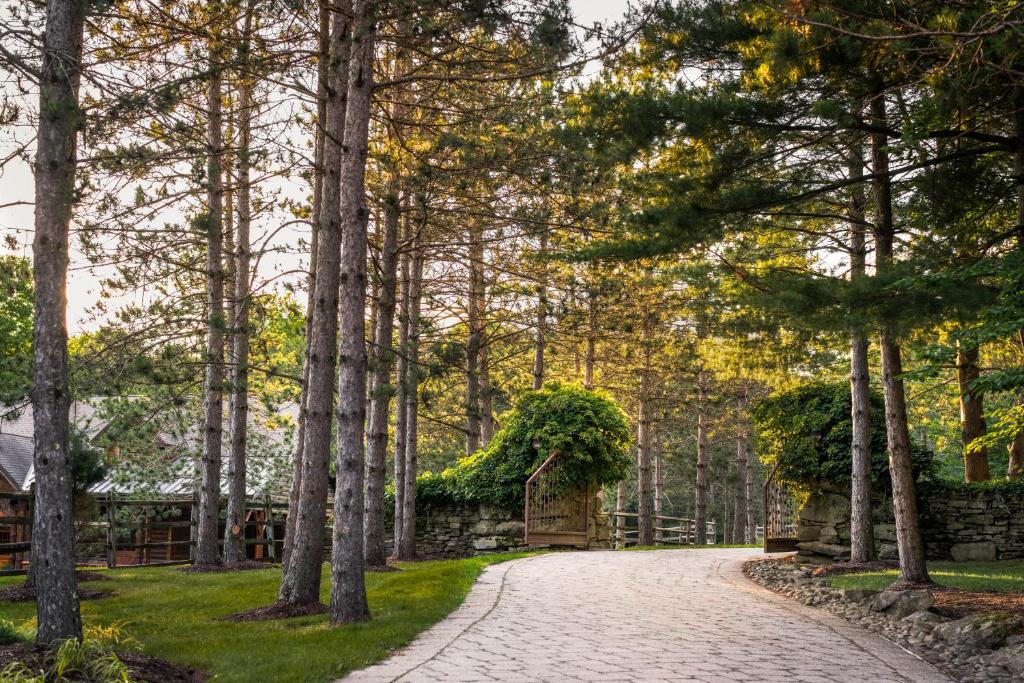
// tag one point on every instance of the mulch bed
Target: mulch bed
(83, 575)
(23, 593)
(841, 568)
(956, 603)
(279, 610)
(246, 566)
(141, 667)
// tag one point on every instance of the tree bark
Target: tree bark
(972, 414)
(234, 525)
(474, 337)
(301, 582)
(407, 550)
(402, 386)
(1015, 464)
(658, 490)
(348, 587)
(751, 521)
(700, 516)
(645, 499)
(542, 314)
(381, 390)
(620, 521)
(908, 533)
(207, 552)
(56, 160)
(862, 528)
(318, 181)
(488, 425)
(739, 518)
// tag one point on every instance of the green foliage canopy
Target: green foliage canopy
(587, 429)
(808, 430)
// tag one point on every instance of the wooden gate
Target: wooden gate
(556, 515)
(780, 516)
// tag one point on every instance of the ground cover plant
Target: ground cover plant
(181, 618)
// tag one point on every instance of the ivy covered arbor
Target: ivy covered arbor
(586, 431)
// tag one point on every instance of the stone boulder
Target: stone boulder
(925, 621)
(900, 604)
(857, 594)
(974, 552)
(1010, 658)
(825, 509)
(514, 528)
(835, 551)
(979, 631)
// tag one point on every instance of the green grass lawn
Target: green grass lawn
(178, 617)
(1006, 576)
(685, 547)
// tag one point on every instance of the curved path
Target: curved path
(642, 616)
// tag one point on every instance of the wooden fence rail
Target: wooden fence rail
(110, 531)
(683, 532)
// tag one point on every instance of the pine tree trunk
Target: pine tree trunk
(487, 423)
(645, 497)
(207, 551)
(700, 516)
(381, 390)
(318, 181)
(402, 386)
(658, 490)
(862, 528)
(972, 414)
(1015, 464)
(56, 160)
(301, 581)
(348, 587)
(542, 314)
(620, 521)
(407, 551)
(234, 526)
(739, 531)
(474, 338)
(908, 533)
(751, 520)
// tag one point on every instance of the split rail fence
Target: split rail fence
(667, 530)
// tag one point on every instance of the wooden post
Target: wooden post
(268, 516)
(111, 532)
(31, 519)
(192, 528)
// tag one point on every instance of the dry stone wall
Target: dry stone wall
(447, 530)
(957, 524)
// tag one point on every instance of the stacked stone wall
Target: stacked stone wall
(957, 523)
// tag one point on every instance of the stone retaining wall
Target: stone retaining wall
(447, 530)
(956, 523)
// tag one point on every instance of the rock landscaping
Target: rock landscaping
(976, 648)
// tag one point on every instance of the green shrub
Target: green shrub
(87, 661)
(10, 634)
(586, 428)
(808, 430)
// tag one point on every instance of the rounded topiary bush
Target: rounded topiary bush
(586, 428)
(808, 430)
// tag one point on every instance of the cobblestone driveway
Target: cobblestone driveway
(641, 616)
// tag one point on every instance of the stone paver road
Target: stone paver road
(642, 616)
